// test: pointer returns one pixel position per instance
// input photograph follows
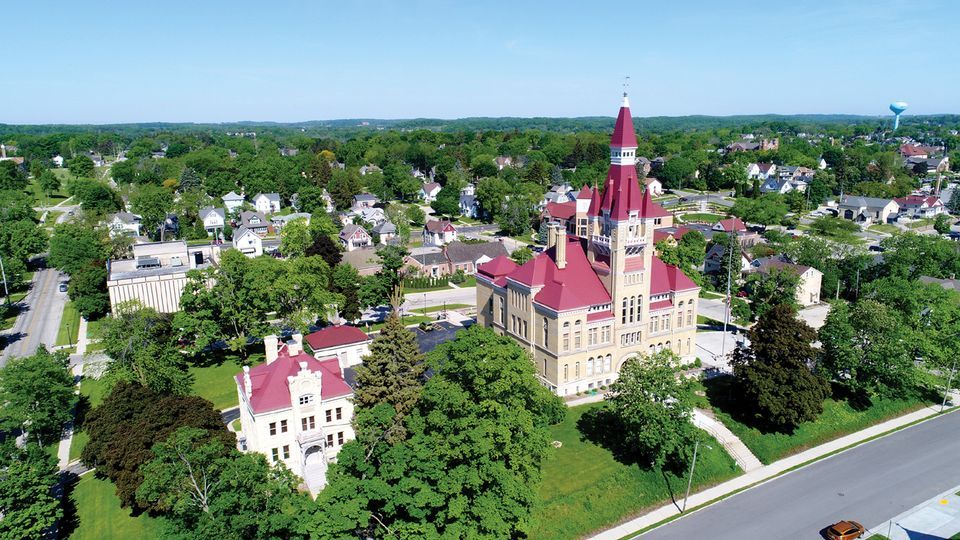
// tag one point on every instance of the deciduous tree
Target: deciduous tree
(37, 393)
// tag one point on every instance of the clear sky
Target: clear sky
(205, 61)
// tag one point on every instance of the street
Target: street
(39, 320)
(870, 484)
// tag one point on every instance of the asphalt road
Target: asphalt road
(39, 319)
(869, 484)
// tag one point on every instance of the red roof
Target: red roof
(918, 200)
(662, 304)
(594, 208)
(732, 225)
(599, 316)
(334, 336)
(623, 134)
(430, 186)
(764, 167)
(622, 192)
(564, 210)
(665, 278)
(909, 150)
(660, 235)
(585, 193)
(436, 226)
(575, 286)
(650, 209)
(270, 390)
(497, 269)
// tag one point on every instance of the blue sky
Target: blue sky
(102, 62)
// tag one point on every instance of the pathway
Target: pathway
(730, 442)
(766, 472)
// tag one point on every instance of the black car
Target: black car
(63, 287)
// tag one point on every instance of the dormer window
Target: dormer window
(306, 399)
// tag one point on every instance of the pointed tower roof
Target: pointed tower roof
(623, 134)
(594, 208)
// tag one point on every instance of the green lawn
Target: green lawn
(95, 329)
(701, 319)
(434, 309)
(216, 383)
(699, 216)
(925, 222)
(471, 281)
(407, 321)
(94, 390)
(69, 325)
(99, 514)
(585, 489)
(884, 228)
(40, 198)
(838, 419)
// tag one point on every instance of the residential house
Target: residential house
(429, 192)
(654, 186)
(97, 159)
(453, 257)
(279, 222)
(364, 200)
(468, 202)
(808, 288)
(643, 166)
(156, 275)
(735, 226)
(559, 194)
(267, 203)
(289, 152)
(373, 216)
(255, 221)
(247, 242)
(742, 146)
(355, 237)
(587, 304)
(158, 155)
(503, 161)
(918, 206)
(761, 171)
(57, 160)
(346, 343)
(232, 202)
(713, 260)
(295, 409)
(124, 224)
(367, 169)
(783, 185)
(769, 144)
(428, 262)
(385, 231)
(438, 233)
(867, 209)
(951, 284)
(213, 219)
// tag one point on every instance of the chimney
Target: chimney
(247, 385)
(303, 367)
(552, 234)
(293, 348)
(561, 254)
(270, 347)
(298, 337)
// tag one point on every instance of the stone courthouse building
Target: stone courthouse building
(588, 303)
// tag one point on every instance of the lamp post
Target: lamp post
(946, 391)
(693, 464)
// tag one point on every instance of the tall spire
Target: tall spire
(621, 192)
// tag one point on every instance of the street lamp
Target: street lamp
(693, 464)
(946, 391)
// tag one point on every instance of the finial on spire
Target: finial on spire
(626, 84)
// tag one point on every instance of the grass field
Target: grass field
(435, 309)
(94, 390)
(838, 419)
(584, 488)
(699, 216)
(216, 383)
(69, 325)
(407, 321)
(99, 515)
(884, 228)
(41, 199)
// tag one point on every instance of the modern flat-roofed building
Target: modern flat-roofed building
(156, 274)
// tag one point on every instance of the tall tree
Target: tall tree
(141, 343)
(295, 238)
(152, 203)
(775, 287)
(88, 290)
(773, 376)
(37, 393)
(28, 504)
(653, 402)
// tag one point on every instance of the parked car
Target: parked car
(816, 213)
(844, 530)
(877, 248)
(63, 287)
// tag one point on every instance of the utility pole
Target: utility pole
(946, 391)
(693, 464)
(726, 310)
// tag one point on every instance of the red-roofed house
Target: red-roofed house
(347, 343)
(296, 409)
(920, 206)
(597, 295)
(438, 233)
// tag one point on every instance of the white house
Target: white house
(279, 222)
(267, 203)
(438, 233)
(213, 219)
(373, 216)
(232, 202)
(429, 192)
(255, 221)
(386, 231)
(57, 160)
(247, 242)
(761, 171)
(295, 409)
(354, 237)
(654, 186)
(346, 343)
(364, 200)
(468, 202)
(867, 209)
(808, 287)
(919, 206)
(124, 224)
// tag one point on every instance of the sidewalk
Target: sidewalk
(937, 518)
(730, 442)
(765, 473)
(66, 439)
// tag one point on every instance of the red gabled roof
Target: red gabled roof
(594, 208)
(909, 150)
(497, 269)
(660, 235)
(918, 200)
(436, 226)
(270, 390)
(665, 278)
(575, 286)
(732, 225)
(585, 193)
(622, 192)
(333, 336)
(599, 316)
(564, 210)
(623, 134)
(764, 167)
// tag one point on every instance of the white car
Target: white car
(816, 213)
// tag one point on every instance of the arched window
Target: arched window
(606, 363)
(576, 370)
(589, 367)
(546, 333)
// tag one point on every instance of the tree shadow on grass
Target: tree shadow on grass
(723, 396)
(70, 520)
